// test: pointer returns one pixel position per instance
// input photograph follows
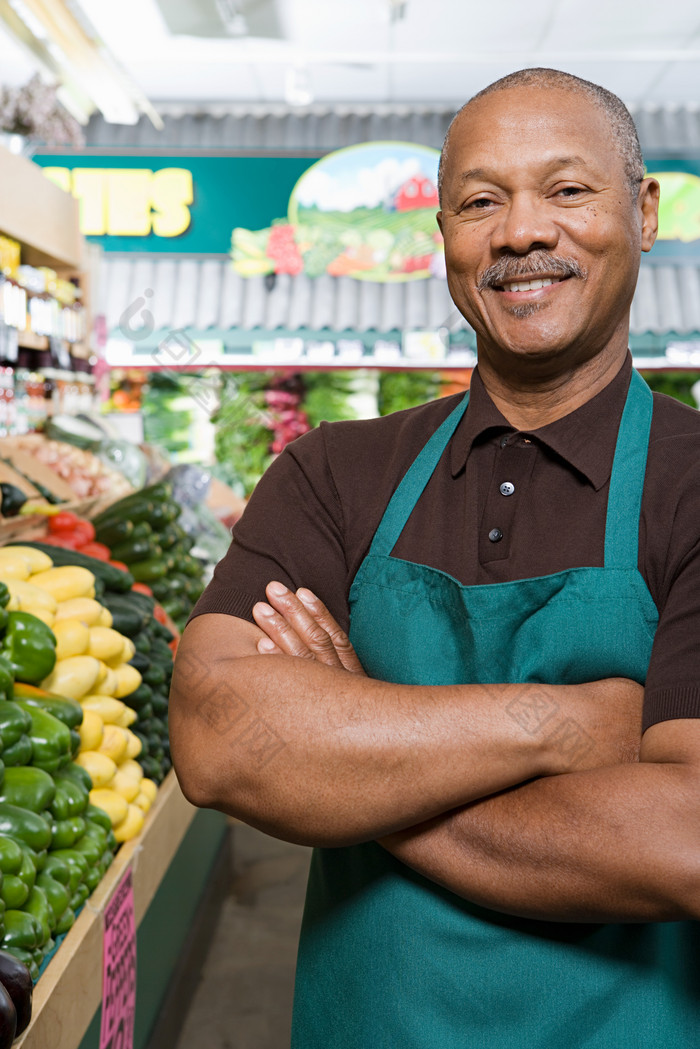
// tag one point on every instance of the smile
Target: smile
(529, 285)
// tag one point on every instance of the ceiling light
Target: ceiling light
(67, 45)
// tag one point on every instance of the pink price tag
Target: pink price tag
(119, 969)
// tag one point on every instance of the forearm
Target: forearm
(610, 844)
(319, 755)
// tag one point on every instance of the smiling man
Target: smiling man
(500, 862)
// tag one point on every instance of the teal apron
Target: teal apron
(389, 960)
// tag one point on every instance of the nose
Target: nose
(524, 223)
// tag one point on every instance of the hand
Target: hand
(301, 625)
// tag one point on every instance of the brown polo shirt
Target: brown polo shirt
(501, 505)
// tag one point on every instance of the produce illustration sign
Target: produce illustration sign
(366, 212)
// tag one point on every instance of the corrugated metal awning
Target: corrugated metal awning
(663, 131)
(206, 294)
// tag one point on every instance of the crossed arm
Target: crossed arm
(442, 777)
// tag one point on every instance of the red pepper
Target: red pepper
(85, 530)
(160, 614)
(64, 541)
(64, 521)
(117, 564)
(97, 550)
(141, 588)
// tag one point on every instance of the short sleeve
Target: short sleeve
(673, 680)
(291, 531)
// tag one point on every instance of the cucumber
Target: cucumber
(141, 662)
(110, 577)
(150, 570)
(115, 533)
(127, 617)
(135, 550)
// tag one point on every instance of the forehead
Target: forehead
(526, 126)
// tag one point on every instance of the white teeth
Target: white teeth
(530, 285)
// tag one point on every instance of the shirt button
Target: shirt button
(504, 440)
(495, 535)
(506, 488)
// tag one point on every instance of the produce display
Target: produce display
(89, 618)
(16, 990)
(83, 471)
(84, 672)
(142, 532)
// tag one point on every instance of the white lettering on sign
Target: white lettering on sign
(129, 202)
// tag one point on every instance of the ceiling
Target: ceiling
(386, 51)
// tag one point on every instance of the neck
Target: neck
(529, 402)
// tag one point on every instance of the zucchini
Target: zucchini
(141, 662)
(110, 577)
(127, 618)
(139, 698)
(117, 532)
(150, 570)
(135, 550)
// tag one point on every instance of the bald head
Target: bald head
(622, 130)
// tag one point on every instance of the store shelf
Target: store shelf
(70, 990)
(29, 340)
(42, 217)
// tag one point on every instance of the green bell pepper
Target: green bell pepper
(89, 847)
(57, 895)
(4, 595)
(79, 896)
(93, 814)
(38, 906)
(65, 709)
(69, 800)
(30, 646)
(30, 788)
(51, 742)
(21, 930)
(75, 773)
(65, 833)
(20, 753)
(7, 677)
(10, 855)
(57, 868)
(65, 922)
(76, 863)
(28, 869)
(25, 826)
(14, 892)
(14, 722)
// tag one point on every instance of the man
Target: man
(496, 869)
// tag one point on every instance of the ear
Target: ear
(648, 204)
(439, 221)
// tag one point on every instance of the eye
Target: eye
(478, 204)
(570, 192)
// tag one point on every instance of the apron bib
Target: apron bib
(389, 960)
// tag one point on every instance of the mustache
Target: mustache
(510, 267)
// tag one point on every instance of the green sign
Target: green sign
(174, 203)
(320, 223)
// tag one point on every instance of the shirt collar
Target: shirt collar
(585, 438)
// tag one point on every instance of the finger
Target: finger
(267, 647)
(279, 631)
(341, 642)
(310, 632)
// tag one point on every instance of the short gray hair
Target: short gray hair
(622, 125)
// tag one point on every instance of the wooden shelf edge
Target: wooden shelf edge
(42, 217)
(70, 990)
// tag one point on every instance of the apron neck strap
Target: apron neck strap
(626, 480)
(627, 477)
(414, 481)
